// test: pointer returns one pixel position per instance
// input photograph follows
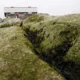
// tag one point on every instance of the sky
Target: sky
(52, 7)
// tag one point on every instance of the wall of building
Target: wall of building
(21, 15)
(19, 12)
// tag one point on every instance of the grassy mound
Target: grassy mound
(57, 41)
(7, 22)
(35, 18)
(18, 60)
(44, 48)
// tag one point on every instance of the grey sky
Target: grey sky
(53, 7)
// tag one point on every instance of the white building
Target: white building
(19, 12)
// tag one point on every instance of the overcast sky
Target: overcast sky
(52, 7)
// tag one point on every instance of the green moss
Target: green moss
(10, 22)
(74, 53)
(18, 60)
(35, 18)
(57, 41)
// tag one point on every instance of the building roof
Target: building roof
(20, 9)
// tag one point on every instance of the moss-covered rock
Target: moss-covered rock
(7, 22)
(18, 60)
(56, 41)
(35, 18)
(44, 48)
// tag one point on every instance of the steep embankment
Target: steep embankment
(56, 40)
(17, 56)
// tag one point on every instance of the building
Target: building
(19, 12)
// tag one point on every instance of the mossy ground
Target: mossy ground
(56, 41)
(43, 48)
(18, 60)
